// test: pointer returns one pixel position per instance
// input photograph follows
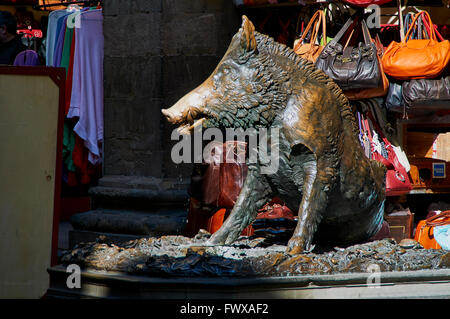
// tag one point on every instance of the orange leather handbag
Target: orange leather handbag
(311, 51)
(424, 231)
(417, 59)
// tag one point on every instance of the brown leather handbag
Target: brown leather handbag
(215, 187)
(311, 51)
(417, 59)
(426, 92)
(225, 174)
(351, 67)
(233, 172)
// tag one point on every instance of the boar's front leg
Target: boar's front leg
(254, 194)
(318, 179)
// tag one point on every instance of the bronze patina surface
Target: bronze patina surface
(323, 173)
(247, 257)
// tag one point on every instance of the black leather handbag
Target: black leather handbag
(351, 67)
(427, 91)
(394, 99)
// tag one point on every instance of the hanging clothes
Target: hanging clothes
(68, 146)
(66, 47)
(70, 74)
(59, 44)
(86, 100)
(77, 46)
(63, 36)
(52, 33)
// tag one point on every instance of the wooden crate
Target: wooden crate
(400, 224)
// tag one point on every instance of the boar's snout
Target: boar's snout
(190, 110)
(171, 117)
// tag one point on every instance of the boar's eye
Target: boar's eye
(229, 72)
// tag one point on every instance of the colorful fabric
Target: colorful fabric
(62, 23)
(66, 48)
(52, 30)
(68, 146)
(87, 83)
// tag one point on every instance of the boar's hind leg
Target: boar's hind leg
(316, 184)
(254, 194)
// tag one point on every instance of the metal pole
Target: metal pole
(400, 18)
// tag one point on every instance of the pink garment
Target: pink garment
(86, 100)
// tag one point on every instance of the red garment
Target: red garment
(72, 179)
(80, 159)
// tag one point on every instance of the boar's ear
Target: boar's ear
(248, 41)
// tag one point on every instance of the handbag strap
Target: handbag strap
(324, 27)
(379, 131)
(315, 19)
(379, 45)
(439, 220)
(436, 32)
(407, 24)
(359, 123)
(363, 124)
(366, 33)
(367, 128)
(426, 14)
(315, 31)
(341, 32)
(420, 28)
(377, 127)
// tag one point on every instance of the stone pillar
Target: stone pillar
(155, 52)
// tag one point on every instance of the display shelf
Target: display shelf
(420, 157)
(421, 191)
(425, 191)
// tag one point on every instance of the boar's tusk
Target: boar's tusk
(197, 123)
(187, 129)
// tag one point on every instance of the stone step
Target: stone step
(162, 222)
(83, 236)
(139, 193)
(117, 285)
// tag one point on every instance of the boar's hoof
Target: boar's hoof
(218, 238)
(296, 245)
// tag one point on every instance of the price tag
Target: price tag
(439, 170)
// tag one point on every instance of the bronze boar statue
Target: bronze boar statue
(323, 173)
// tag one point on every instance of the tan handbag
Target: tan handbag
(417, 59)
(311, 51)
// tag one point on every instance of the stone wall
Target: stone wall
(155, 52)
